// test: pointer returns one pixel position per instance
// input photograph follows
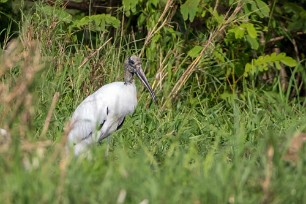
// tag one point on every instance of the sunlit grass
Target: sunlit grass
(197, 149)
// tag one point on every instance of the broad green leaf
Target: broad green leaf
(297, 13)
(248, 68)
(253, 42)
(57, 13)
(194, 52)
(230, 2)
(258, 7)
(238, 31)
(264, 9)
(219, 55)
(189, 9)
(141, 19)
(203, 14)
(3, 1)
(217, 17)
(251, 30)
(277, 65)
(97, 22)
(156, 38)
(129, 6)
(290, 62)
(154, 2)
(262, 63)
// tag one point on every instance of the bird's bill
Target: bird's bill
(144, 80)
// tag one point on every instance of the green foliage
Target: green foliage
(297, 16)
(263, 62)
(211, 143)
(189, 9)
(129, 6)
(9, 20)
(99, 22)
(57, 14)
(248, 31)
(240, 30)
(195, 51)
(258, 7)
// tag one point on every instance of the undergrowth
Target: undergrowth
(198, 147)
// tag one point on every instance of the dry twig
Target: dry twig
(163, 19)
(93, 54)
(229, 19)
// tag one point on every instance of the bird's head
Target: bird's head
(133, 66)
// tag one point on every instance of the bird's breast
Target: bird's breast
(114, 99)
(127, 98)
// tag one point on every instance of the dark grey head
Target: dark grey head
(132, 65)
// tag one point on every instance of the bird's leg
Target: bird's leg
(102, 136)
(108, 127)
(107, 147)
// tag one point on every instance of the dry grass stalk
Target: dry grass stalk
(28, 146)
(267, 181)
(20, 63)
(296, 144)
(22, 58)
(61, 151)
(93, 54)
(229, 19)
(49, 115)
(164, 18)
(121, 196)
(161, 73)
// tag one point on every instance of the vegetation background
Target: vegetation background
(230, 80)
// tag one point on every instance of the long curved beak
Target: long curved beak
(144, 80)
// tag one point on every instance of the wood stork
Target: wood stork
(104, 111)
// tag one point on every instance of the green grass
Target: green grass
(198, 149)
(207, 155)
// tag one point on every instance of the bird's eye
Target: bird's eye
(131, 62)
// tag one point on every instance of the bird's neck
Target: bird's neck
(128, 77)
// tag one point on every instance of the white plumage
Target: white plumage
(104, 111)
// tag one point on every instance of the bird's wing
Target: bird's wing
(87, 118)
(121, 121)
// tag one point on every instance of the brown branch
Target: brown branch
(278, 38)
(229, 18)
(162, 21)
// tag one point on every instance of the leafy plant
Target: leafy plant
(100, 22)
(189, 9)
(246, 31)
(262, 63)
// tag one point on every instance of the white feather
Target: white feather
(109, 105)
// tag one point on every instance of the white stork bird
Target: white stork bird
(104, 111)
